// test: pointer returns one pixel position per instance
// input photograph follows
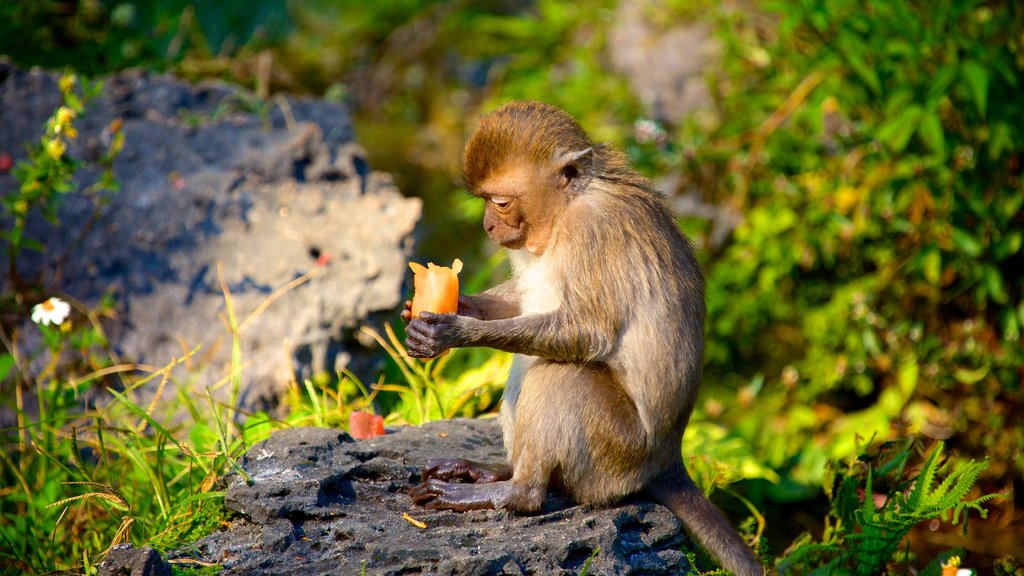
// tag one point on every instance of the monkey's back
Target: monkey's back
(642, 283)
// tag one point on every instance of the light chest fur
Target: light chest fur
(540, 286)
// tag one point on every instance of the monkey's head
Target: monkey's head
(526, 160)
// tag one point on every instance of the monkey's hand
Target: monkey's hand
(429, 334)
(448, 469)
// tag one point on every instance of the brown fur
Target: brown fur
(606, 314)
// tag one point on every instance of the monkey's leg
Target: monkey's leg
(577, 421)
(573, 424)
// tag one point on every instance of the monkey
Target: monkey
(605, 315)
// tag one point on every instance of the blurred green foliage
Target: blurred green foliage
(874, 284)
(97, 36)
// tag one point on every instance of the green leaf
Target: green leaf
(931, 265)
(932, 134)
(6, 363)
(33, 244)
(1008, 245)
(966, 243)
(940, 84)
(865, 72)
(907, 377)
(1008, 320)
(976, 77)
(897, 131)
(1000, 140)
(970, 377)
(994, 284)
(871, 343)
(15, 236)
(74, 102)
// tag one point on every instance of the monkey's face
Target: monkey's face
(520, 207)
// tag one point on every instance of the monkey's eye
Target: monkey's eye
(501, 202)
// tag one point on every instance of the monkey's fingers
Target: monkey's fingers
(433, 319)
(423, 494)
(407, 311)
(424, 337)
(421, 347)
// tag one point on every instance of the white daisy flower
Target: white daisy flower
(53, 311)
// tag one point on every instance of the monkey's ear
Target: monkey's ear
(576, 169)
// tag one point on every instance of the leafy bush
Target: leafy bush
(875, 281)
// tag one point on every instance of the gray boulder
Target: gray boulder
(219, 190)
(321, 503)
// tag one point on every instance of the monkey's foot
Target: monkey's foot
(460, 469)
(439, 495)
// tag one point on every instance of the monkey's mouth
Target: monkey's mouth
(513, 240)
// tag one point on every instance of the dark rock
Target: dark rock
(217, 186)
(322, 503)
(127, 560)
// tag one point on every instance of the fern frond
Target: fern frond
(899, 461)
(958, 484)
(868, 509)
(923, 484)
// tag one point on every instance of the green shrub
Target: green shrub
(875, 280)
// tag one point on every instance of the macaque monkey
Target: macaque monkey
(605, 313)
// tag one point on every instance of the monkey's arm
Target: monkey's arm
(499, 302)
(555, 335)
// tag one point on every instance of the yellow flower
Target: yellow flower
(65, 115)
(70, 132)
(67, 83)
(55, 148)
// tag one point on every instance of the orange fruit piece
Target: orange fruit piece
(363, 425)
(436, 288)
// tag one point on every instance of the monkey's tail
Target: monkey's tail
(706, 523)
